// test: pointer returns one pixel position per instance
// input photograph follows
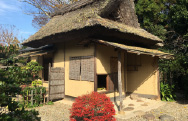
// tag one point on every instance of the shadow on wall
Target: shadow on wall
(144, 80)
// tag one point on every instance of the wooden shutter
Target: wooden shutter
(74, 68)
(87, 68)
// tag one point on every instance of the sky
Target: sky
(12, 13)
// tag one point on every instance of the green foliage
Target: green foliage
(168, 20)
(26, 93)
(20, 115)
(8, 53)
(167, 92)
(36, 83)
(33, 67)
(50, 103)
(11, 80)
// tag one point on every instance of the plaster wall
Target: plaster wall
(103, 55)
(58, 58)
(145, 80)
(73, 88)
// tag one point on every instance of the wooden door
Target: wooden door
(56, 83)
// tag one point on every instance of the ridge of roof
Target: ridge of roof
(72, 7)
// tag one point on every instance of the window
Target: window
(101, 82)
(81, 68)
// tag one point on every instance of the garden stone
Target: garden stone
(128, 109)
(166, 118)
(131, 105)
(139, 101)
(149, 117)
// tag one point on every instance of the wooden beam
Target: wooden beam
(120, 81)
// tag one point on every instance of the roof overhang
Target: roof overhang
(137, 50)
(95, 27)
(35, 53)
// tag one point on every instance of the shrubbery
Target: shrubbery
(167, 92)
(11, 79)
(91, 107)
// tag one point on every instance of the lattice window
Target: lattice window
(87, 68)
(81, 68)
(74, 68)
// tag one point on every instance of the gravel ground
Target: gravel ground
(56, 112)
(60, 112)
(177, 110)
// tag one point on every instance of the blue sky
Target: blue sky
(12, 13)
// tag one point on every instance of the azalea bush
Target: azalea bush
(92, 107)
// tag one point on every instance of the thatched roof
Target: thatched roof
(101, 19)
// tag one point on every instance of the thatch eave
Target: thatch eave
(98, 28)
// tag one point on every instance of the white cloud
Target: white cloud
(8, 6)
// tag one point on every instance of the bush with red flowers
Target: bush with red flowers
(92, 107)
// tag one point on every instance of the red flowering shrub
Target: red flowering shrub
(92, 107)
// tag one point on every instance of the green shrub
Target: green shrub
(167, 92)
(36, 83)
(26, 93)
(20, 115)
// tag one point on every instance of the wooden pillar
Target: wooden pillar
(95, 70)
(49, 81)
(120, 81)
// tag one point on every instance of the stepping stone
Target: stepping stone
(144, 104)
(139, 113)
(131, 105)
(139, 101)
(149, 117)
(134, 97)
(128, 109)
(166, 118)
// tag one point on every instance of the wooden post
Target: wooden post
(119, 81)
(95, 70)
(31, 97)
(41, 95)
(49, 82)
